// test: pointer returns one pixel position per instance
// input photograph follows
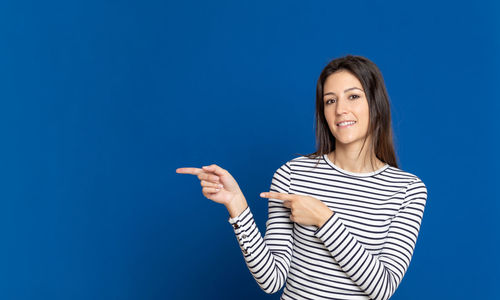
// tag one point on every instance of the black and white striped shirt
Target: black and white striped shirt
(361, 252)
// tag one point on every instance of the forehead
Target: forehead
(341, 80)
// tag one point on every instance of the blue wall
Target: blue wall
(100, 102)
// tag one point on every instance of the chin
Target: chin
(348, 141)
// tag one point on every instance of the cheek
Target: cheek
(328, 119)
(363, 113)
(331, 125)
(365, 120)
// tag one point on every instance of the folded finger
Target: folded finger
(210, 190)
(205, 183)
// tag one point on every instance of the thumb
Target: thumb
(216, 169)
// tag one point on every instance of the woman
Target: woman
(344, 220)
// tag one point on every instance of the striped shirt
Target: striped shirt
(361, 252)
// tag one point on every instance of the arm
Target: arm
(378, 275)
(268, 258)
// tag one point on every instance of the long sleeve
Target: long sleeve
(378, 275)
(268, 258)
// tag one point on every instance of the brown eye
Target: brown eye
(327, 102)
(356, 96)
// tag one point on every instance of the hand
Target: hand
(305, 210)
(219, 186)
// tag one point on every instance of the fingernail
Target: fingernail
(220, 185)
(262, 194)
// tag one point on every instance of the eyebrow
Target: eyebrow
(353, 88)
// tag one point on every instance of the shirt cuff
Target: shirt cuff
(332, 223)
(240, 217)
(243, 225)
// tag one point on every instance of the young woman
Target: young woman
(344, 220)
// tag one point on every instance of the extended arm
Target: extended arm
(268, 258)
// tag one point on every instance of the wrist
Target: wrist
(236, 206)
(323, 217)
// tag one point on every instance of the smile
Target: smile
(346, 124)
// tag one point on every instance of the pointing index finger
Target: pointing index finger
(194, 171)
(274, 195)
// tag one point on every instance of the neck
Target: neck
(349, 158)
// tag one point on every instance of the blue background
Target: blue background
(102, 100)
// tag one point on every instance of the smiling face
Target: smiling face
(345, 101)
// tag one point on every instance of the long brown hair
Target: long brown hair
(379, 109)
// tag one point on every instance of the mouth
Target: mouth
(346, 124)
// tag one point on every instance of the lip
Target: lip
(346, 125)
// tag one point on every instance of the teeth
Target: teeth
(346, 123)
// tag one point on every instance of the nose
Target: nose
(341, 106)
